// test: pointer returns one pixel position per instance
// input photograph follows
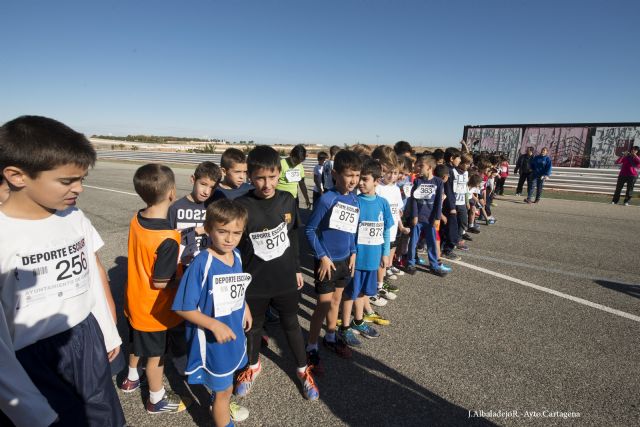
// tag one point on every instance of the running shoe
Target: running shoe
(389, 275)
(473, 230)
(626, 203)
(170, 403)
(411, 270)
(348, 337)
(129, 386)
(376, 318)
(238, 413)
(462, 247)
(441, 270)
(309, 387)
(466, 237)
(422, 261)
(338, 347)
(527, 201)
(389, 287)
(451, 256)
(378, 301)
(246, 379)
(395, 270)
(387, 294)
(364, 330)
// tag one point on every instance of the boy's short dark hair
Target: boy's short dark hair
(438, 155)
(298, 153)
(429, 159)
(451, 153)
(322, 155)
(467, 158)
(208, 170)
(407, 164)
(334, 150)
(36, 144)
(371, 167)
(153, 181)
(402, 147)
(231, 156)
(474, 180)
(263, 157)
(441, 171)
(224, 211)
(347, 159)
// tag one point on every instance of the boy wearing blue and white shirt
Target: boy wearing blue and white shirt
(211, 299)
(372, 252)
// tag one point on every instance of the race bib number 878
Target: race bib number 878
(228, 292)
(371, 233)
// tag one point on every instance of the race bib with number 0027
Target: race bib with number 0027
(424, 191)
(272, 243)
(371, 233)
(344, 217)
(228, 292)
(59, 273)
(293, 175)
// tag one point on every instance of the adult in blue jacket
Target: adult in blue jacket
(540, 170)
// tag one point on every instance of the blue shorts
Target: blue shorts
(363, 282)
(213, 382)
(71, 370)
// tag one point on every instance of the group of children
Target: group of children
(205, 270)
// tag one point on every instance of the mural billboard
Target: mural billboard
(608, 143)
(506, 140)
(567, 145)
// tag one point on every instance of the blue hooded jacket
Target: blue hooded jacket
(540, 166)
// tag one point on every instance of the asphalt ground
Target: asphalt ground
(547, 334)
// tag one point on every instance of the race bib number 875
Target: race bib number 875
(228, 292)
(344, 217)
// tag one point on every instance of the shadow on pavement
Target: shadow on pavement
(631, 290)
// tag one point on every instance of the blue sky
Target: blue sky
(330, 71)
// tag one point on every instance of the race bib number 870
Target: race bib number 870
(272, 243)
(228, 292)
(344, 217)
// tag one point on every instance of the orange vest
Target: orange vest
(147, 308)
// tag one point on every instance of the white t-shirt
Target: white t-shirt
(327, 178)
(460, 188)
(317, 171)
(49, 283)
(391, 193)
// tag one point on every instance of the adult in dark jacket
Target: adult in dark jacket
(629, 164)
(540, 170)
(522, 166)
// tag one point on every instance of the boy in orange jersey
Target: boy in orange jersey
(151, 286)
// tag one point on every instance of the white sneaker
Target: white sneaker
(238, 413)
(397, 271)
(391, 276)
(626, 203)
(378, 301)
(387, 295)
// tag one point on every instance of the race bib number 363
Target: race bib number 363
(424, 191)
(228, 292)
(272, 243)
(59, 273)
(344, 217)
(371, 233)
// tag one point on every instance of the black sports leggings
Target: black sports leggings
(287, 307)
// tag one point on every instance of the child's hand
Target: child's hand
(326, 266)
(444, 220)
(414, 221)
(405, 230)
(247, 321)
(352, 264)
(199, 230)
(222, 332)
(299, 280)
(385, 261)
(436, 223)
(113, 354)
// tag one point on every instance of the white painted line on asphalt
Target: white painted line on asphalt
(547, 269)
(109, 189)
(551, 291)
